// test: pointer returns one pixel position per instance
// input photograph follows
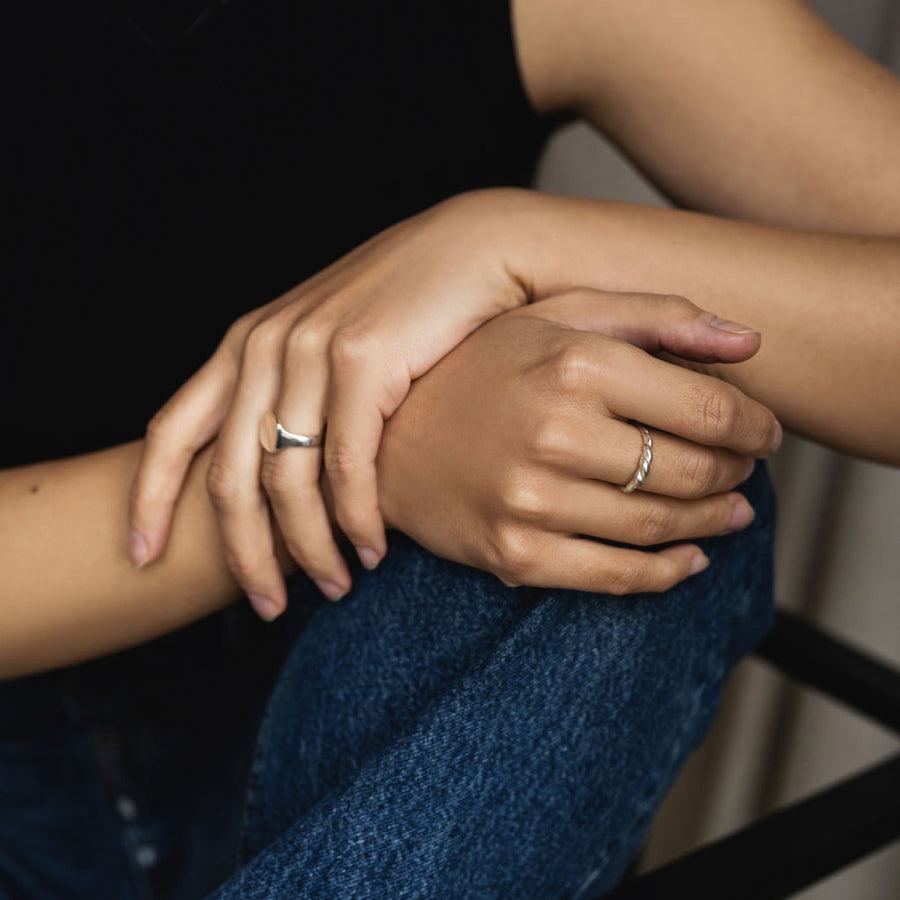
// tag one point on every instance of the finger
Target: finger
(355, 425)
(679, 468)
(653, 322)
(234, 487)
(584, 565)
(186, 424)
(291, 476)
(603, 511)
(697, 407)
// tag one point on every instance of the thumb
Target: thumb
(707, 338)
(653, 322)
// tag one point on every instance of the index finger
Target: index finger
(694, 406)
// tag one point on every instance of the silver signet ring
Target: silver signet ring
(274, 437)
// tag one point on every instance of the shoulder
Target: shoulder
(539, 30)
(570, 51)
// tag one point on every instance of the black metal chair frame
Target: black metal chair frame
(794, 847)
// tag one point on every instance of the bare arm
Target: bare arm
(757, 110)
(68, 590)
(754, 109)
(750, 108)
(828, 306)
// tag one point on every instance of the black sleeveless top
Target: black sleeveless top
(169, 165)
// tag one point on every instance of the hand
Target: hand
(516, 443)
(343, 346)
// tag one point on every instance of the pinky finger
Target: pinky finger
(585, 565)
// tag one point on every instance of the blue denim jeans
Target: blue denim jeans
(436, 734)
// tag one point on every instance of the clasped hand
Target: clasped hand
(505, 449)
(517, 443)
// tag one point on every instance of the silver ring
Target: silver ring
(643, 469)
(274, 437)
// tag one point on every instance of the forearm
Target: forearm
(754, 110)
(828, 306)
(67, 589)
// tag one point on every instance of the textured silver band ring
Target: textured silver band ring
(643, 468)
(274, 437)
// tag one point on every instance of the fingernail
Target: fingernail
(137, 549)
(742, 516)
(699, 563)
(730, 327)
(749, 469)
(331, 590)
(368, 557)
(779, 434)
(265, 607)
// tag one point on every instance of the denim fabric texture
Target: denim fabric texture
(124, 778)
(434, 735)
(440, 735)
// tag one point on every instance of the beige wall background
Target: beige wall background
(837, 563)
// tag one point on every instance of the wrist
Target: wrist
(507, 222)
(544, 239)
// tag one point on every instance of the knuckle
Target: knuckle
(625, 577)
(356, 524)
(278, 482)
(306, 338)
(239, 330)
(352, 349)
(678, 304)
(309, 556)
(164, 431)
(719, 414)
(243, 566)
(262, 341)
(523, 500)
(768, 434)
(510, 555)
(159, 427)
(343, 463)
(222, 484)
(699, 472)
(654, 522)
(570, 367)
(547, 441)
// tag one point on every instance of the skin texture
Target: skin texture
(694, 92)
(69, 591)
(828, 306)
(751, 109)
(347, 343)
(91, 600)
(532, 477)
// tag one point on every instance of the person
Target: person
(438, 732)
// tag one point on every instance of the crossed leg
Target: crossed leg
(440, 735)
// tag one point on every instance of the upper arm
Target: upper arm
(748, 108)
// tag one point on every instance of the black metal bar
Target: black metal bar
(787, 850)
(805, 653)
